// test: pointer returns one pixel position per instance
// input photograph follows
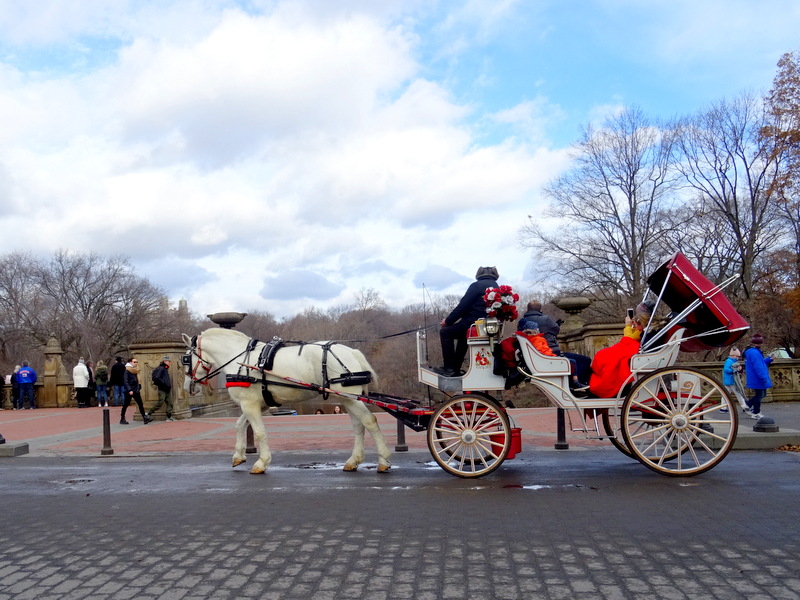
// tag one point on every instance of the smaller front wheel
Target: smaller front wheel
(469, 436)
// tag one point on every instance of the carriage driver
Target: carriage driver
(454, 329)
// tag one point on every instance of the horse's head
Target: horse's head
(198, 369)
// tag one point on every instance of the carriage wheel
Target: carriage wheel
(641, 430)
(469, 436)
(672, 424)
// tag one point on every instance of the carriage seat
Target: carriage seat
(663, 357)
(539, 364)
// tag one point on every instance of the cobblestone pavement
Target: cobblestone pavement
(584, 524)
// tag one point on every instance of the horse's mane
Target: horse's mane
(215, 331)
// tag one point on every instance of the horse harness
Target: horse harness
(264, 364)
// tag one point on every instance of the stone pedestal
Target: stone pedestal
(56, 390)
(150, 353)
(11, 449)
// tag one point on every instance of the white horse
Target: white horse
(225, 352)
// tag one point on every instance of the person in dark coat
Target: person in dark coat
(164, 384)
(453, 333)
(133, 392)
(15, 389)
(117, 381)
(581, 364)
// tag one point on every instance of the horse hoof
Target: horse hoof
(384, 468)
(257, 470)
(238, 461)
(350, 468)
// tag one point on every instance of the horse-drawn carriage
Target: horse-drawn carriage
(666, 416)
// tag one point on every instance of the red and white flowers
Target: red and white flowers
(501, 303)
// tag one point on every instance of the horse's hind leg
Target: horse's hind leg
(251, 410)
(357, 457)
(362, 419)
(241, 442)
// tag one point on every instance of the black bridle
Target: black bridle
(196, 350)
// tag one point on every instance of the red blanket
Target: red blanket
(611, 367)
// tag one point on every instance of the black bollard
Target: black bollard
(561, 435)
(251, 443)
(401, 445)
(107, 449)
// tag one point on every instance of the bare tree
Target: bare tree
(782, 134)
(94, 306)
(725, 160)
(18, 308)
(613, 206)
(715, 255)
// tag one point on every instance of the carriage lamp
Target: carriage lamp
(492, 326)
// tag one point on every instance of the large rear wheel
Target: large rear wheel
(671, 421)
(469, 435)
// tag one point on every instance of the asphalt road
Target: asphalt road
(579, 524)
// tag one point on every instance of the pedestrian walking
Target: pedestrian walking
(163, 382)
(133, 391)
(756, 369)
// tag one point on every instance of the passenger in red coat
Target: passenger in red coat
(611, 366)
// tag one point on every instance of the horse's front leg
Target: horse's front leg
(241, 441)
(251, 410)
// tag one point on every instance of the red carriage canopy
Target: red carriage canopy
(699, 305)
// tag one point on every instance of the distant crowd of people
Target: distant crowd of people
(97, 385)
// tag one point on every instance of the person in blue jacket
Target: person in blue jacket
(730, 371)
(26, 377)
(470, 308)
(756, 368)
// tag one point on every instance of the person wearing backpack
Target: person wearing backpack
(162, 381)
(101, 380)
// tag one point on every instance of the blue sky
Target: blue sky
(278, 155)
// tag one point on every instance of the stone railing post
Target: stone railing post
(56, 389)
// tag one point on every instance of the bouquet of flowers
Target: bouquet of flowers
(501, 303)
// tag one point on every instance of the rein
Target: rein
(347, 378)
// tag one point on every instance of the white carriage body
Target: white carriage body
(551, 375)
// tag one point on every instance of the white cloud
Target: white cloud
(243, 152)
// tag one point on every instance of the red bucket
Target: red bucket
(516, 441)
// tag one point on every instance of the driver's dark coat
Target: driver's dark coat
(471, 306)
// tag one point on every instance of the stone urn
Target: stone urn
(227, 320)
(573, 305)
